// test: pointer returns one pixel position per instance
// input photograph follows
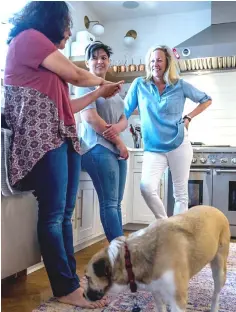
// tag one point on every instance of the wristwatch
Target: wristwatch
(187, 117)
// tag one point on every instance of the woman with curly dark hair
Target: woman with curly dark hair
(44, 154)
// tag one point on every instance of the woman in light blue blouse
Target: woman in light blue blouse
(160, 99)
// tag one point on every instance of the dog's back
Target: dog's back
(193, 237)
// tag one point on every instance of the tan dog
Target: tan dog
(165, 256)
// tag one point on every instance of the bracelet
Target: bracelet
(187, 117)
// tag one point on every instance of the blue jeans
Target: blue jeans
(108, 174)
(55, 179)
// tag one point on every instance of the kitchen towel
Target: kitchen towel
(6, 188)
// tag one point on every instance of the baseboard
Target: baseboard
(35, 267)
(89, 242)
(77, 248)
(9, 279)
(134, 226)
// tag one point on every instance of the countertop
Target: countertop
(131, 149)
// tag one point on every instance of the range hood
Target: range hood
(215, 46)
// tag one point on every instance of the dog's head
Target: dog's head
(98, 273)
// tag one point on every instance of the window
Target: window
(6, 11)
(4, 30)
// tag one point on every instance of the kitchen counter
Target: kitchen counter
(132, 149)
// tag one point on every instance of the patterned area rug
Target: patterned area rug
(200, 292)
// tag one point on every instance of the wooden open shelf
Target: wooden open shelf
(128, 77)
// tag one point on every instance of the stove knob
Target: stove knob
(234, 161)
(224, 160)
(213, 160)
(203, 160)
(194, 160)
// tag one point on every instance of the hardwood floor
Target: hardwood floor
(25, 293)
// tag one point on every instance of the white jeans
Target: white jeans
(154, 165)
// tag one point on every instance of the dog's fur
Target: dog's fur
(165, 256)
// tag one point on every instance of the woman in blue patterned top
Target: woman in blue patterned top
(160, 99)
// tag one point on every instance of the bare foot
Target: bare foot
(76, 298)
(83, 282)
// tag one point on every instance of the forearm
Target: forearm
(199, 109)
(80, 103)
(122, 123)
(86, 79)
(99, 125)
(69, 72)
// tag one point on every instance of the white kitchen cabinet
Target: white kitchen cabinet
(98, 224)
(85, 213)
(20, 248)
(137, 211)
(141, 212)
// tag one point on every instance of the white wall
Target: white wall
(78, 10)
(169, 29)
(217, 124)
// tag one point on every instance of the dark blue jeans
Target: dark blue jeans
(108, 174)
(55, 179)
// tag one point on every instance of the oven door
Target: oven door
(200, 187)
(224, 193)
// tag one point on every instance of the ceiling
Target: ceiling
(113, 10)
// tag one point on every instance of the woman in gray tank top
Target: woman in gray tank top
(103, 152)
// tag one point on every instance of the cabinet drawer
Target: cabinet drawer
(138, 161)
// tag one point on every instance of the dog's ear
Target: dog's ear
(102, 268)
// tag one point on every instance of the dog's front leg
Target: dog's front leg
(161, 307)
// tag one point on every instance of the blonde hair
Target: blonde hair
(171, 75)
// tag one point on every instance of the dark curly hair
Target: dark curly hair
(51, 18)
(94, 46)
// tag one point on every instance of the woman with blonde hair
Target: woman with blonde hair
(160, 99)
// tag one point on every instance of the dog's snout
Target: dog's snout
(94, 295)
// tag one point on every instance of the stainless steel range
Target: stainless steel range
(212, 181)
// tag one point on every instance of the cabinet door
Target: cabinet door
(141, 212)
(99, 227)
(19, 242)
(85, 213)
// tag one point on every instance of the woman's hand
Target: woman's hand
(110, 82)
(186, 123)
(123, 150)
(108, 90)
(111, 132)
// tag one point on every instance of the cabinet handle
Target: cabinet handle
(139, 162)
(161, 190)
(75, 215)
(81, 209)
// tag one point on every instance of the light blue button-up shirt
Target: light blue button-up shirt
(161, 115)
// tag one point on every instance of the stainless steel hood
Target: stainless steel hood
(215, 46)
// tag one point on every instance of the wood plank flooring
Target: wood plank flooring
(26, 293)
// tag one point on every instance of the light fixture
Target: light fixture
(130, 36)
(130, 4)
(97, 29)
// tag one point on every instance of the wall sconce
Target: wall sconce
(130, 36)
(97, 29)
